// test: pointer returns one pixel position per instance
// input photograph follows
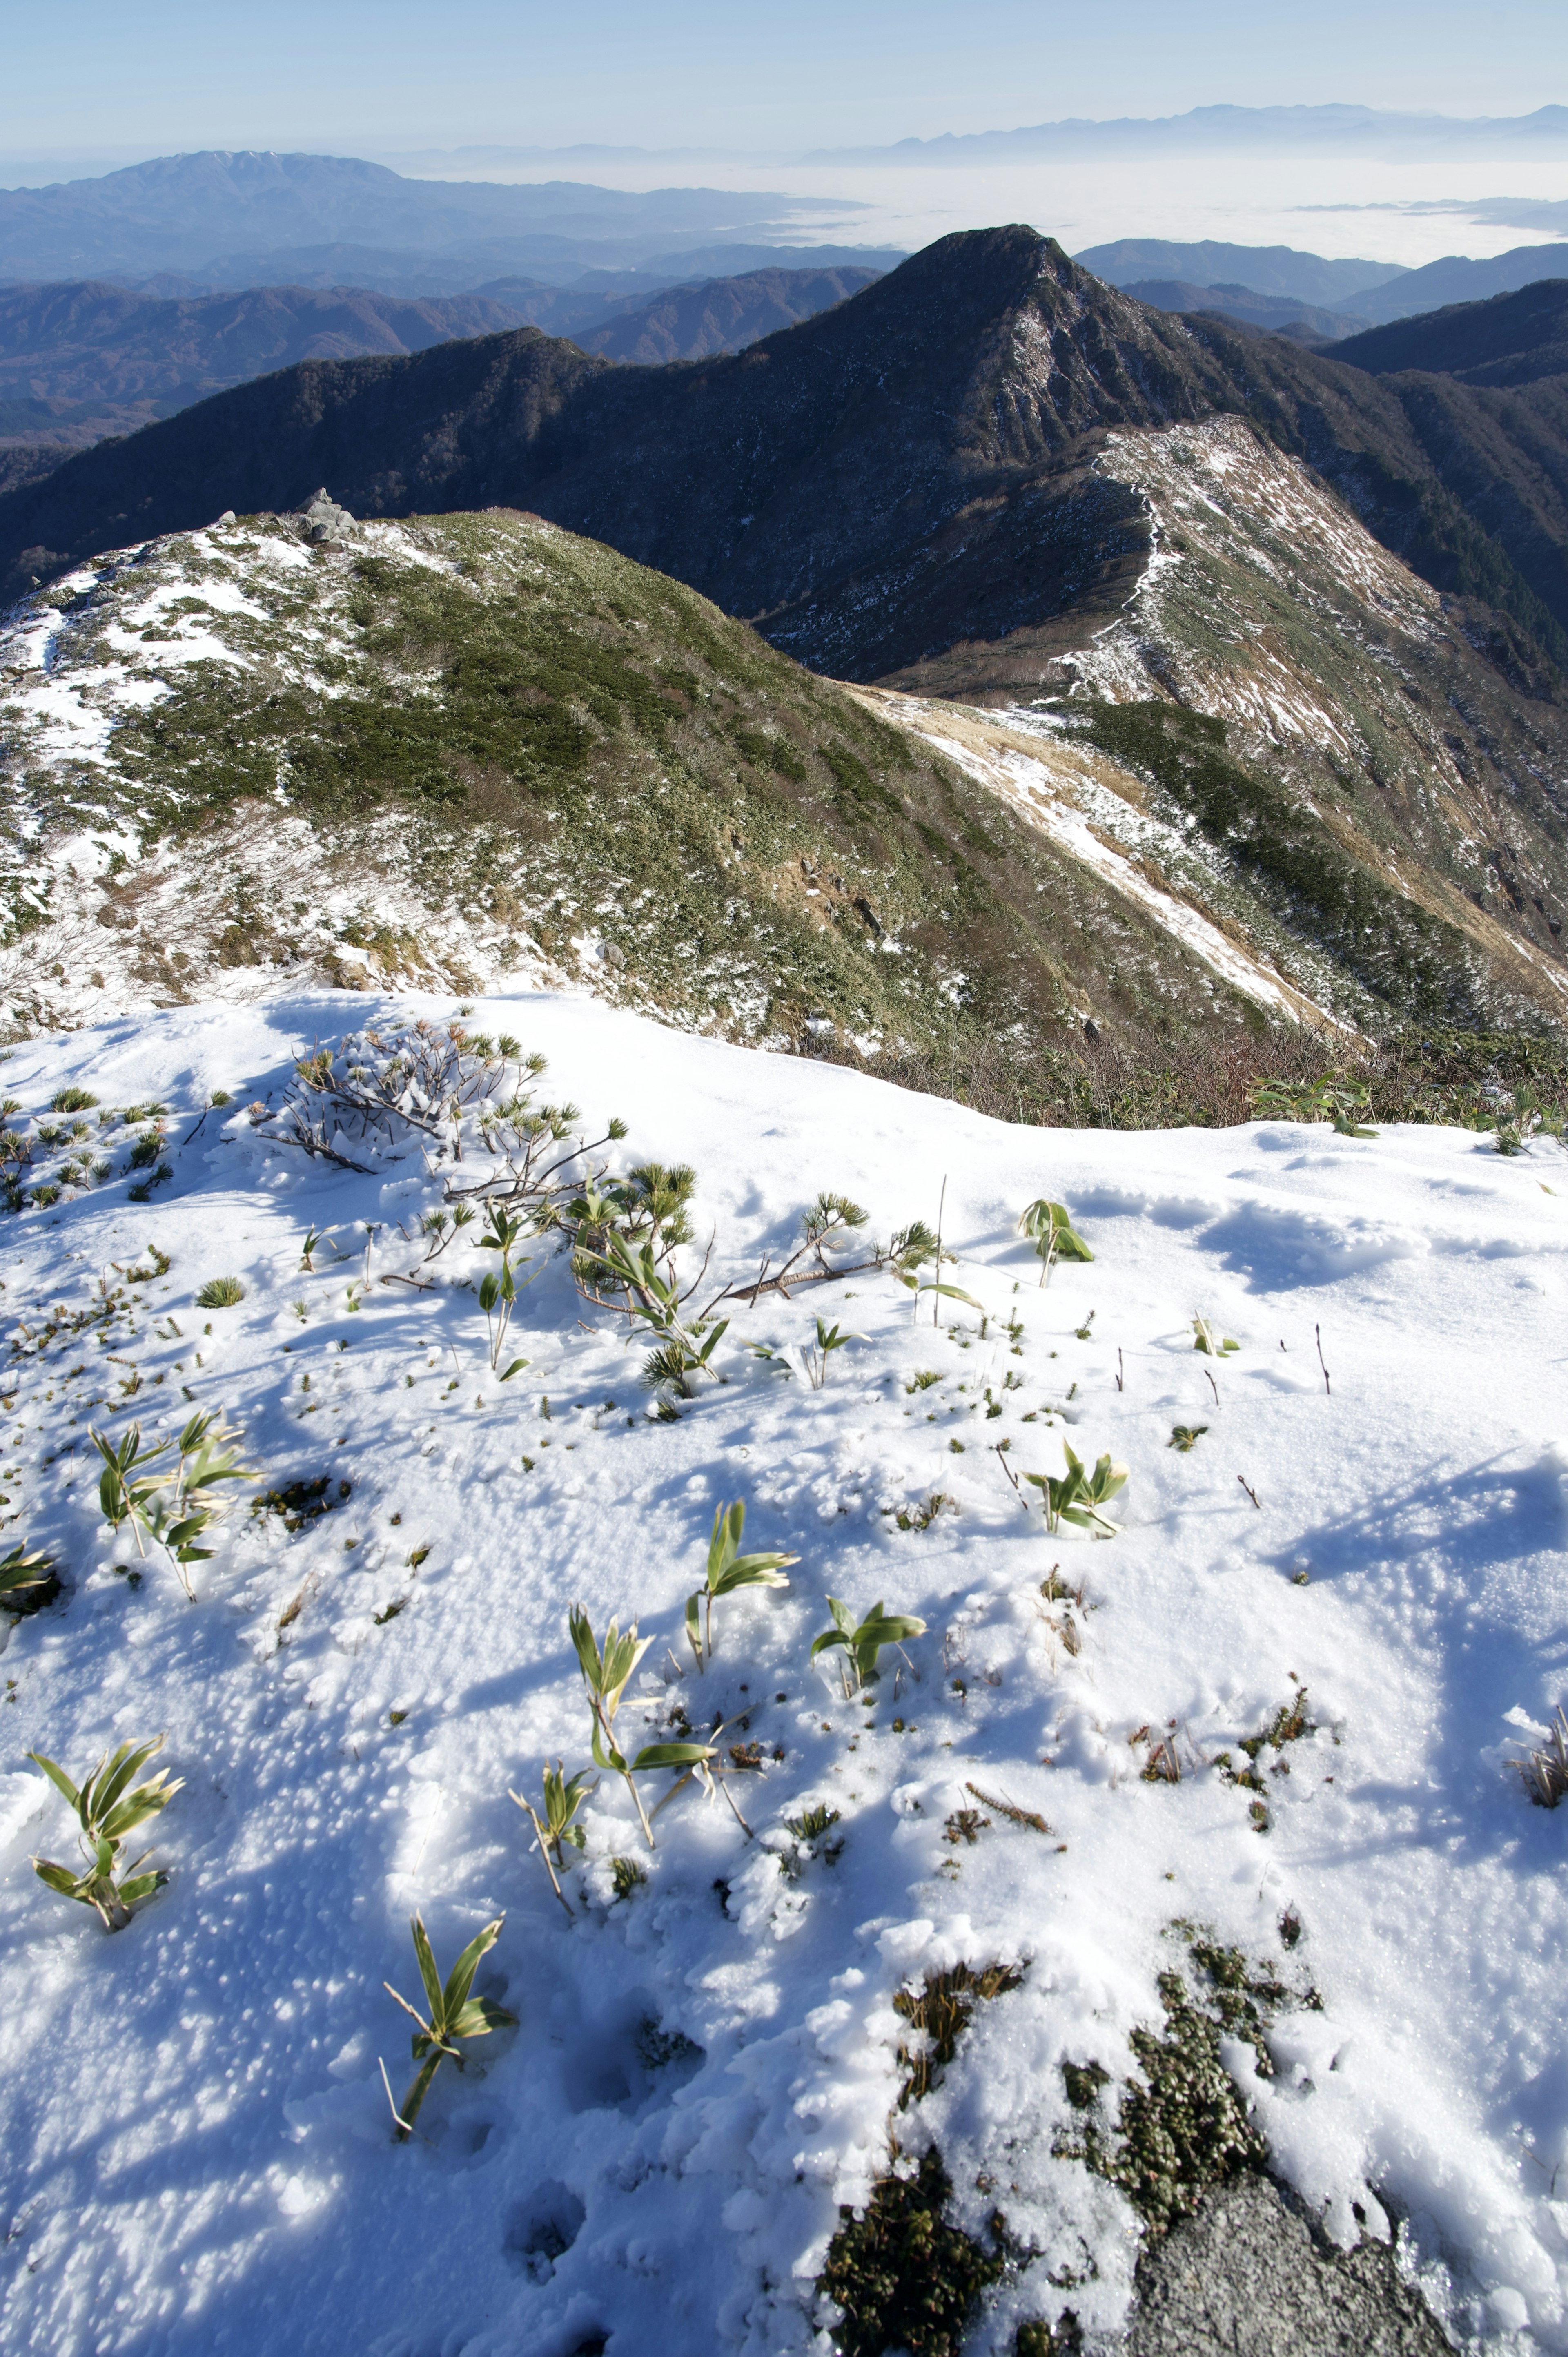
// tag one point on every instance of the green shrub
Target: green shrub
(220, 1293)
(71, 1101)
(903, 2277)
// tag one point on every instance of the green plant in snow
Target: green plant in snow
(1185, 1436)
(606, 1672)
(728, 1571)
(110, 1804)
(175, 1523)
(862, 1640)
(71, 1101)
(497, 1288)
(649, 1205)
(809, 1829)
(1078, 1496)
(908, 1252)
(1054, 1236)
(829, 1340)
(1205, 1339)
(651, 1296)
(564, 1796)
(454, 2014)
(27, 1579)
(220, 1293)
(912, 1247)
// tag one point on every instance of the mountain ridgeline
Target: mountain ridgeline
(1329, 775)
(908, 472)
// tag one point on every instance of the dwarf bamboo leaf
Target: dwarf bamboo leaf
(1076, 1496)
(862, 1640)
(1054, 1238)
(563, 1798)
(728, 1570)
(605, 1670)
(452, 2015)
(108, 1806)
(27, 1578)
(1206, 1339)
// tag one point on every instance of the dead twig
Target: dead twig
(1010, 1810)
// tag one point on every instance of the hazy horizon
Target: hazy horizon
(1405, 209)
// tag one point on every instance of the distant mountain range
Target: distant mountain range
(1365, 291)
(1264, 129)
(383, 270)
(1264, 269)
(1280, 313)
(81, 362)
(1516, 338)
(217, 214)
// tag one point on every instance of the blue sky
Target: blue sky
(349, 76)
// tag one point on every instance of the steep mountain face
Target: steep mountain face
(1312, 724)
(989, 480)
(1512, 339)
(907, 474)
(905, 471)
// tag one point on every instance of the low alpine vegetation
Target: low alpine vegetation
(454, 2014)
(220, 1293)
(862, 1640)
(28, 1579)
(1215, 1345)
(605, 1670)
(108, 1804)
(728, 1571)
(1543, 1771)
(1050, 1227)
(176, 1522)
(564, 1796)
(1077, 1496)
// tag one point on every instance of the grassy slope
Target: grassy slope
(578, 749)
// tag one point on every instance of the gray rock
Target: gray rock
(1247, 2277)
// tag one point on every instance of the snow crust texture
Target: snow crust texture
(196, 2152)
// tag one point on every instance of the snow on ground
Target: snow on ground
(196, 2152)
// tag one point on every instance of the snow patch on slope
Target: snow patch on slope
(345, 1761)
